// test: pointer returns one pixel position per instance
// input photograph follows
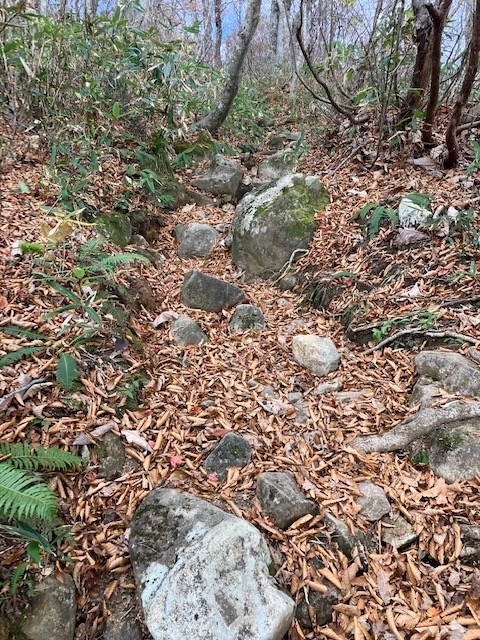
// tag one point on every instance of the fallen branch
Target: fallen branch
(424, 332)
(417, 426)
(25, 387)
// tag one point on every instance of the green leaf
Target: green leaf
(65, 292)
(16, 356)
(23, 187)
(33, 551)
(67, 371)
(93, 315)
(55, 312)
(78, 272)
(116, 111)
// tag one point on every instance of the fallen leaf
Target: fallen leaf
(176, 461)
(133, 437)
(3, 302)
(409, 236)
(165, 316)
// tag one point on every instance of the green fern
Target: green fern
(16, 356)
(24, 496)
(25, 456)
(13, 330)
(110, 263)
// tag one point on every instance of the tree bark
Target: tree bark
(217, 8)
(439, 17)
(465, 90)
(213, 120)
(422, 69)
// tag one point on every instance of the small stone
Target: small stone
(349, 544)
(287, 282)
(111, 454)
(246, 317)
(328, 387)
(398, 532)
(187, 331)
(231, 451)
(281, 500)
(200, 291)
(373, 501)
(318, 355)
(322, 604)
(196, 240)
(268, 392)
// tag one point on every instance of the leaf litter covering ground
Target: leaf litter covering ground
(421, 592)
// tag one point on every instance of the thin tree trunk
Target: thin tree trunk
(439, 16)
(422, 69)
(217, 7)
(213, 120)
(465, 90)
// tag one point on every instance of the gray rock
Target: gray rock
(451, 371)
(328, 387)
(453, 450)
(277, 166)
(322, 604)
(246, 317)
(111, 456)
(231, 451)
(343, 538)
(187, 331)
(398, 532)
(196, 240)
(203, 573)
(279, 140)
(281, 500)
(373, 501)
(51, 615)
(268, 392)
(210, 294)
(223, 177)
(274, 223)
(318, 355)
(470, 553)
(287, 282)
(122, 626)
(297, 401)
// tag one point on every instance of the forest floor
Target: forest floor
(416, 593)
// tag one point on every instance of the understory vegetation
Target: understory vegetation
(109, 103)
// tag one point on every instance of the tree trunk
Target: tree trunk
(213, 120)
(439, 17)
(217, 7)
(464, 93)
(422, 69)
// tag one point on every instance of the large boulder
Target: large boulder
(203, 573)
(272, 225)
(450, 370)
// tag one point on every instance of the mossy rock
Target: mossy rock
(116, 227)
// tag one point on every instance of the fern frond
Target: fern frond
(13, 330)
(110, 263)
(24, 456)
(15, 356)
(91, 250)
(23, 496)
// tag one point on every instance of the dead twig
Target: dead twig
(424, 332)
